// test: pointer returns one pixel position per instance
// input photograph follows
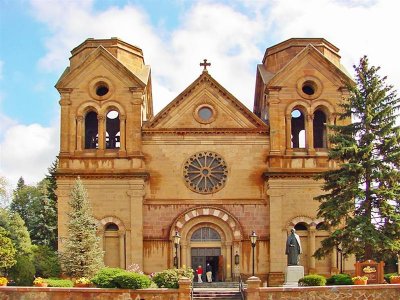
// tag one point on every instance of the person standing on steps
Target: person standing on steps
(199, 272)
(209, 272)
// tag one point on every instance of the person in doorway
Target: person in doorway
(199, 272)
(209, 272)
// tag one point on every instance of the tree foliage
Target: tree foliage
(362, 203)
(37, 206)
(82, 255)
(7, 251)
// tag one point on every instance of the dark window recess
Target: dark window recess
(308, 88)
(321, 226)
(102, 90)
(298, 129)
(111, 227)
(301, 226)
(112, 130)
(319, 129)
(91, 131)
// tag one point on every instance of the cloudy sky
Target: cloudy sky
(36, 38)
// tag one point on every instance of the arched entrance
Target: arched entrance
(209, 235)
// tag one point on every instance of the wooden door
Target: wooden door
(221, 276)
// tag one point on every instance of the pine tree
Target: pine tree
(362, 203)
(82, 255)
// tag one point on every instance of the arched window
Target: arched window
(298, 129)
(111, 227)
(112, 130)
(205, 234)
(321, 226)
(300, 226)
(319, 129)
(91, 131)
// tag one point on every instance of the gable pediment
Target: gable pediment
(100, 61)
(205, 106)
(309, 62)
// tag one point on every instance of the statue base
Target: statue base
(293, 274)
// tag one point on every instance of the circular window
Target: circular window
(309, 88)
(205, 172)
(205, 113)
(101, 89)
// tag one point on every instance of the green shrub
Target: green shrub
(46, 262)
(23, 272)
(57, 282)
(339, 279)
(104, 278)
(169, 278)
(312, 280)
(130, 280)
(388, 275)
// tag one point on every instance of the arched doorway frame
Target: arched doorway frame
(101, 225)
(219, 219)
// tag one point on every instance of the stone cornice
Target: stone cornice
(299, 173)
(101, 175)
(208, 131)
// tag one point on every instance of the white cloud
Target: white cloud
(357, 27)
(27, 151)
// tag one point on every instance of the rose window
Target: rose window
(205, 172)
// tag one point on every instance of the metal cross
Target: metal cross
(205, 64)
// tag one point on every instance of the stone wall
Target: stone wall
(353, 292)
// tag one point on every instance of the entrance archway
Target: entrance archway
(219, 251)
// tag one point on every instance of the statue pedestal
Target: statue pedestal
(293, 274)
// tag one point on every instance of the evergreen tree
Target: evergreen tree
(42, 223)
(23, 196)
(7, 251)
(82, 255)
(362, 203)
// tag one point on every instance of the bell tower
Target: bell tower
(105, 98)
(299, 87)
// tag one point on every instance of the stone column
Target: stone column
(134, 250)
(101, 132)
(134, 123)
(121, 235)
(278, 260)
(228, 262)
(79, 131)
(65, 131)
(334, 268)
(310, 134)
(184, 260)
(122, 137)
(275, 122)
(311, 245)
(288, 119)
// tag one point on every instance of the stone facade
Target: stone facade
(204, 166)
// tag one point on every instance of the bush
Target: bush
(130, 280)
(169, 278)
(23, 272)
(388, 275)
(104, 278)
(339, 279)
(57, 282)
(46, 262)
(312, 280)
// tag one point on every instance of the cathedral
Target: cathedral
(206, 180)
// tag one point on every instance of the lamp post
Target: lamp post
(177, 239)
(253, 239)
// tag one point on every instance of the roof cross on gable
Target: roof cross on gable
(205, 64)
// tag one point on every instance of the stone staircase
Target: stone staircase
(216, 290)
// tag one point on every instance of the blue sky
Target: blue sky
(36, 37)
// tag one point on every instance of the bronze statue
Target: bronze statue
(293, 248)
